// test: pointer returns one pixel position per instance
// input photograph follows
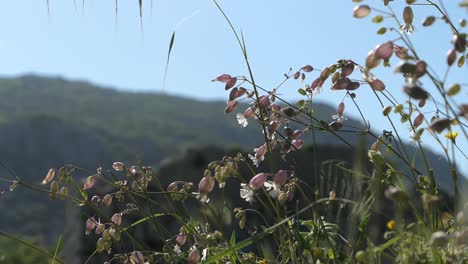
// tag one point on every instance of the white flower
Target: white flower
(246, 193)
(272, 188)
(256, 161)
(177, 249)
(204, 254)
(408, 28)
(203, 197)
(242, 120)
(339, 118)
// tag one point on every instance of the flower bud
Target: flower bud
(181, 239)
(107, 200)
(100, 228)
(372, 60)
(377, 85)
(230, 107)
(63, 192)
(429, 21)
(297, 144)
(341, 108)
(408, 15)
(206, 185)
(258, 180)
(264, 101)
(117, 218)
(90, 224)
(249, 112)
(281, 177)
(54, 187)
(50, 176)
(261, 151)
(224, 78)
(386, 111)
(384, 51)
(194, 256)
(347, 69)
(418, 120)
(118, 166)
(307, 68)
(95, 200)
(341, 84)
(137, 258)
(361, 11)
(451, 57)
(89, 183)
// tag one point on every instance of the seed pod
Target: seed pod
(347, 69)
(230, 107)
(361, 11)
(54, 187)
(230, 83)
(451, 57)
(459, 42)
(307, 68)
(372, 60)
(325, 74)
(420, 70)
(100, 228)
(341, 84)
(418, 120)
(429, 21)
(63, 192)
(386, 110)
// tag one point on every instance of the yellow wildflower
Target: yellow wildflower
(452, 135)
(391, 224)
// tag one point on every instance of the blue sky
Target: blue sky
(91, 43)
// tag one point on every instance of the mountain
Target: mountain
(48, 122)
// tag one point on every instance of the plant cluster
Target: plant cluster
(283, 219)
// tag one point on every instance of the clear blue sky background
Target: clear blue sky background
(93, 44)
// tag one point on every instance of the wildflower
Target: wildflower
(177, 250)
(273, 189)
(451, 135)
(339, 118)
(408, 19)
(204, 254)
(391, 224)
(50, 175)
(259, 154)
(246, 193)
(242, 120)
(281, 177)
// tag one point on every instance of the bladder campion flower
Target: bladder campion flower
(246, 193)
(408, 19)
